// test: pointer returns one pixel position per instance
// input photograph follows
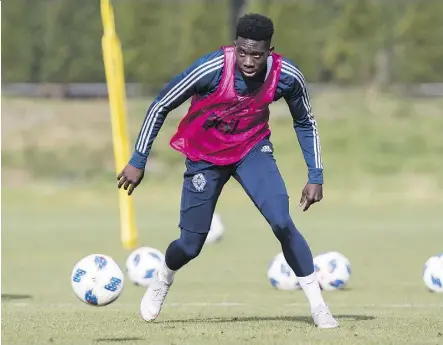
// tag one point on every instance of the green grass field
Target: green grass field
(382, 209)
(223, 296)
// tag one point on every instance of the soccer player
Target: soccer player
(226, 134)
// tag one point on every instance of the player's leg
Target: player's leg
(203, 183)
(259, 176)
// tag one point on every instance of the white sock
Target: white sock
(165, 274)
(312, 290)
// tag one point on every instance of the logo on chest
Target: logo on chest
(216, 121)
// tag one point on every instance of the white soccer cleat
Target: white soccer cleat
(323, 318)
(153, 299)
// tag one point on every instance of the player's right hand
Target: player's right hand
(130, 177)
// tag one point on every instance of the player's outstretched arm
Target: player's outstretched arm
(305, 125)
(193, 80)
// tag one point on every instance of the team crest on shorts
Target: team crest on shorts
(199, 182)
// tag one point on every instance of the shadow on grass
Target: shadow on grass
(118, 339)
(299, 319)
(12, 297)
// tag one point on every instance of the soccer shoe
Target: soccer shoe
(153, 299)
(323, 318)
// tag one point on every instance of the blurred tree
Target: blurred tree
(72, 40)
(418, 51)
(23, 28)
(338, 41)
(141, 28)
(353, 40)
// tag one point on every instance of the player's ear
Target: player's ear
(271, 49)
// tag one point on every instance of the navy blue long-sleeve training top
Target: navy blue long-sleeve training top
(202, 78)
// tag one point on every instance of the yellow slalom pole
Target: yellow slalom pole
(113, 61)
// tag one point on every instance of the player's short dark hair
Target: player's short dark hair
(255, 27)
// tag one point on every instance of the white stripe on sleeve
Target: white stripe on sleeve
(175, 92)
(295, 73)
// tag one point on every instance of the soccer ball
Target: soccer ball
(433, 273)
(142, 264)
(281, 275)
(332, 270)
(216, 231)
(97, 280)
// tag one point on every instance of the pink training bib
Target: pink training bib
(223, 127)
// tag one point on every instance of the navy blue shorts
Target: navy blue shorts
(203, 182)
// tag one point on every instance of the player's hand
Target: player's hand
(311, 194)
(130, 177)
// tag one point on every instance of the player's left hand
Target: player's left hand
(311, 194)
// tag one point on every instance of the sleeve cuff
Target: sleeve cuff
(138, 160)
(315, 176)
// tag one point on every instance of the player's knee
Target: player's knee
(276, 211)
(191, 250)
(282, 227)
(191, 243)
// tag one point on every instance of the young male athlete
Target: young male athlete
(226, 134)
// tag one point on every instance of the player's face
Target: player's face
(251, 55)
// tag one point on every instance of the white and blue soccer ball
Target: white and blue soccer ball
(97, 280)
(280, 274)
(142, 265)
(332, 270)
(217, 229)
(433, 273)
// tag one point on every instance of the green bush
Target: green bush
(336, 41)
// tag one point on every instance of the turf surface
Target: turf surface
(223, 297)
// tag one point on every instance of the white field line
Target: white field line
(234, 304)
(381, 306)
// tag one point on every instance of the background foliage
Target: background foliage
(339, 41)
